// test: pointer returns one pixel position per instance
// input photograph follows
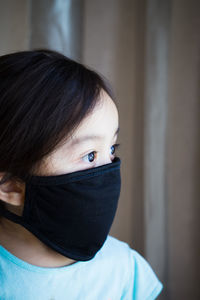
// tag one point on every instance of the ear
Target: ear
(12, 192)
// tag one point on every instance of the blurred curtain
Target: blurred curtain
(57, 25)
(54, 24)
(149, 50)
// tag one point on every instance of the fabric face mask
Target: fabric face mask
(72, 213)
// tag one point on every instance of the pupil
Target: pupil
(114, 149)
(91, 156)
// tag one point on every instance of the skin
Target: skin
(70, 157)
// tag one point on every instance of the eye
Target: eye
(115, 147)
(90, 156)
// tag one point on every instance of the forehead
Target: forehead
(101, 120)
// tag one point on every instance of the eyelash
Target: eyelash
(115, 145)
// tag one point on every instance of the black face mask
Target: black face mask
(72, 213)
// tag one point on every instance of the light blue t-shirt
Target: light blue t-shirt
(116, 272)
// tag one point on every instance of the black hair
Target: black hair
(44, 96)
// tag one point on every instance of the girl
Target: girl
(60, 185)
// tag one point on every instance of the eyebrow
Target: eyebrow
(85, 138)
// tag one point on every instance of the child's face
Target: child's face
(79, 152)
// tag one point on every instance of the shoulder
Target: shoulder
(140, 281)
(115, 251)
(113, 245)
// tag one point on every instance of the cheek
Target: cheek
(58, 163)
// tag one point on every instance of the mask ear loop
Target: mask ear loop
(11, 216)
